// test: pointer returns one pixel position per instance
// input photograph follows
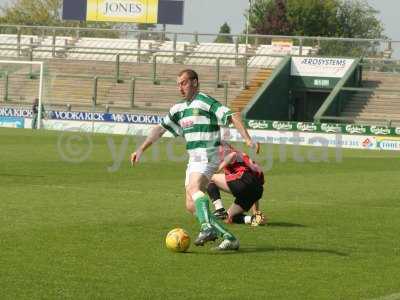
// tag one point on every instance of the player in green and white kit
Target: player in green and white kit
(198, 119)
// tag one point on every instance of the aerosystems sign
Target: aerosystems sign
(125, 11)
(320, 67)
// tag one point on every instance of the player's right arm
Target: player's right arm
(238, 123)
(155, 134)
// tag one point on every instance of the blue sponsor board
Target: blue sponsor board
(15, 112)
(85, 116)
(13, 122)
(105, 117)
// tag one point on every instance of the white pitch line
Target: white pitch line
(389, 297)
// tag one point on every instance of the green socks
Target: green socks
(206, 219)
(202, 211)
(222, 232)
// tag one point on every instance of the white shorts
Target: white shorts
(206, 168)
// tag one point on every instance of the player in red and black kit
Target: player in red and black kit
(242, 178)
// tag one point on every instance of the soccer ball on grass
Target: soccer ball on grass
(177, 240)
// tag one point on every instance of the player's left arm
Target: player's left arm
(228, 159)
(237, 122)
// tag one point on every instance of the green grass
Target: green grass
(77, 231)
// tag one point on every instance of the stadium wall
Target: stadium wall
(269, 132)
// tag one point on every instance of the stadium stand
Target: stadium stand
(71, 84)
(45, 49)
(9, 45)
(246, 95)
(269, 56)
(83, 71)
(232, 75)
(148, 96)
(21, 89)
(165, 56)
(378, 106)
(102, 49)
(207, 53)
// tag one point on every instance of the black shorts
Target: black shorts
(247, 190)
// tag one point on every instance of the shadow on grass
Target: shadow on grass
(291, 249)
(284, 224)
(20, 175)
(249, 250)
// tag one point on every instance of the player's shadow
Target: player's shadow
(291, 249)
(249, 250)
(20, 175)
(284, 224)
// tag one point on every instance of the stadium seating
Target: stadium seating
(269, 56)
(169, 57)
(9, 42)
(105, 49)
(148, 96)
(72, 64)
(71, 83)
(232, 75)
(98, 48)
(206, 54)
(379, 106)
(246, 95)
(44, 48)
(21, 89)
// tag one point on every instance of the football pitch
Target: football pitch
(93, 227)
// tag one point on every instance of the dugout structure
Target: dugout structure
(304, 89)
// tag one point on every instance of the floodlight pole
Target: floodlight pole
(164, 29)
(40, 110)
(247, 24)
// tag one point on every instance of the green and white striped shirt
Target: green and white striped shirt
(198, 121)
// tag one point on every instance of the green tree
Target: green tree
(28, 12)
(356, 19)
(312, 17)
(319, 18)
(225, 29)
(269, 17)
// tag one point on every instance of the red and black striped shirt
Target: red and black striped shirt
(240, 164)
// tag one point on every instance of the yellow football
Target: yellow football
(177, 240)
